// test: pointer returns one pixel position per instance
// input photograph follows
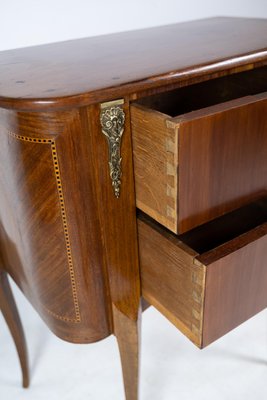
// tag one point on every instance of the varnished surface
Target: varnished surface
(195, 167)
(155, 149)
(47, 203)
(10, 313)
(170, 280)
(95, 69)
(128, 332)
(207, 295)
(67, 241)
(119, 237)
(222, 159)
(116, 215)
(235, 284)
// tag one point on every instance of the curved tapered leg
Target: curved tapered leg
(127, 332)
(11, 316)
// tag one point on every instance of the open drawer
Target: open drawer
(211, 279)
(200, 151)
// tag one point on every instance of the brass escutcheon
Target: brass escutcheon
(112, 120)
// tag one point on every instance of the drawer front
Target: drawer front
(204, 295)
(193, 168)
(235, 288)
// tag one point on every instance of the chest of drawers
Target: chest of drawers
(135, 164)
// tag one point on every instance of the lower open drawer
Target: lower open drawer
(211, 279)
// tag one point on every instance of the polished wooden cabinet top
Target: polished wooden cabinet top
(84, 71)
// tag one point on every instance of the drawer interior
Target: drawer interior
(215, 233)
(206, 94)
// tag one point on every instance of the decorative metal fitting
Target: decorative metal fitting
(112, 120)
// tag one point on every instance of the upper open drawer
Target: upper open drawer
(200, 151)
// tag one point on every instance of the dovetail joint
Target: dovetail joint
(198, 281)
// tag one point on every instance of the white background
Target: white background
(172, 368)
(29, 22)
(234, 368)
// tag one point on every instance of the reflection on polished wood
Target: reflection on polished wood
(10, 313)
(68, 242)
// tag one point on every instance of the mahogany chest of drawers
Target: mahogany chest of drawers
(132, 165)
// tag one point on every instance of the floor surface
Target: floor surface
(172, 368)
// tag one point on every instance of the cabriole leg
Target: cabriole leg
(11, 316)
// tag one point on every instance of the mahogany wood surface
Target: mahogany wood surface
(210, 293)
(171, 282)
(222, 159)
(10, 313)
(85, 71)
(166, 275)
(66, 240)
(47, 203)
(117, 217)
(128, 333)
(194, 167)
(235, 284)
(155, 149)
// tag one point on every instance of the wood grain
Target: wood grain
(119, 234)
(192, 168)
(222, 160)
(69, 244)
(128, 334)
(47, 246)
(155, 149)
(10, 313)
(236, 285)
(86, 71)
(167, 271)
(206, 295)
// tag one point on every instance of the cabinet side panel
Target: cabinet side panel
(49, 229)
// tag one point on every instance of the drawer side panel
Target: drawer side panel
(171, 282)
(155, 152)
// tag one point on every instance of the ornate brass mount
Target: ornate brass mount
(112, 120)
